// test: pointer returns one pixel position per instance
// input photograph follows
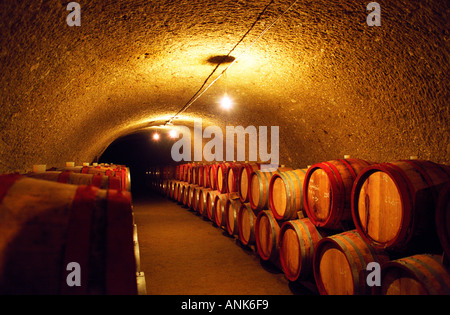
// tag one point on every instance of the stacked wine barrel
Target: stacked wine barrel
(222, 193)
(72, 219)
(401, 207)
(329, 223)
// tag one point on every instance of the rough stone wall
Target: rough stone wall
(333, 84)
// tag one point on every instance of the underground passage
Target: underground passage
(228, 147)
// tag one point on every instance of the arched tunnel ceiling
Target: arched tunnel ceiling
(333, 84)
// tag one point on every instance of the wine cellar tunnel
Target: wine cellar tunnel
(320, 76)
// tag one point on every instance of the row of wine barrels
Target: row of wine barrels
(303, 250)
(68, 177)
(286, 194)
(393, 204)
(226, 177)
(116, 170)
(192, 173)
(51, 225)
(329, 203)
(166, 172)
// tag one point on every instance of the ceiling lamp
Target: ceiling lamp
(226, 102)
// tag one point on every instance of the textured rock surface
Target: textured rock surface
(333, 84)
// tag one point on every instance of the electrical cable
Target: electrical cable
(201, 91)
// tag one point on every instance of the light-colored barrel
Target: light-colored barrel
(415, 275)
(340, 264)
(286, 194)
(232, 209)
(259, 187)
(298, 241)
(50, 225)
(246, 224)
(327, 192)
(267, 231)
(244, 180)
(393, 205)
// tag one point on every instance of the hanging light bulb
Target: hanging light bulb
(173, 134)
(226, 102)
(156, 136)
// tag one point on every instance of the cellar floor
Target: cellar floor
(183, 254)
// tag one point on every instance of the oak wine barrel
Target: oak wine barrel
(340, 263)
(181, 188)
(52, 224)
(206, 175)
(233, 177)
(267, 232)
(259, 187)
(327, 192)
(210, 198)
(221, 176)
(171, 188)
(286, 194)
(187, 176)
(232, 209)
(220, 202)
(298, 241)
(246, 224)
(195, 198)
(202, 203)
(190, 195)
(421, 274)
(200, 175)
(443, 218)
(213, 175)
(195, 174)
(176, 191)
(182, 172)
(244, 179)
(178, 172)
(186, 189)
(393, 205)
